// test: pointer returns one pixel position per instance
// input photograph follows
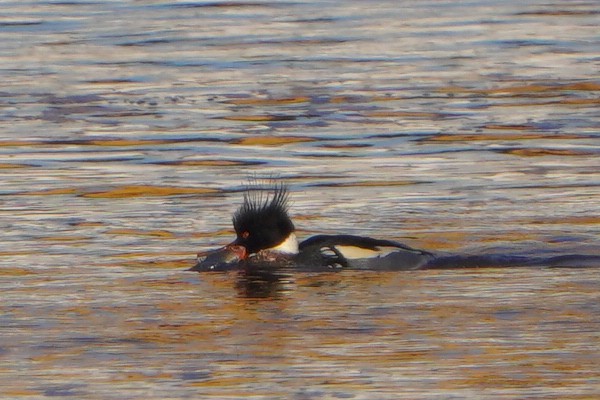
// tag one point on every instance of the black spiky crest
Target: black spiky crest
(262, 221)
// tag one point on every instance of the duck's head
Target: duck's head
(261, 224)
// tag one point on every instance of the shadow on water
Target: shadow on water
(262, 283)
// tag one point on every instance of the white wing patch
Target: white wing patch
(355, 252)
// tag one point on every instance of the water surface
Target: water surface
(128, 128)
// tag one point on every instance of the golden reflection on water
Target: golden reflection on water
(336, 333)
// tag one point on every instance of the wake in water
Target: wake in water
(504, 261)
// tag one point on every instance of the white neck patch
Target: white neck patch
(288, 246)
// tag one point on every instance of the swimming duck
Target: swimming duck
(266, 239)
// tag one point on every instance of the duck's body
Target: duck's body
(266, 239)
(358, 252)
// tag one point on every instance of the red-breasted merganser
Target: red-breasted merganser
(266, 238)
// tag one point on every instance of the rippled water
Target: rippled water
(127, 131)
